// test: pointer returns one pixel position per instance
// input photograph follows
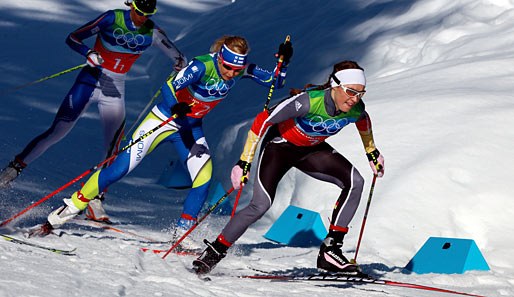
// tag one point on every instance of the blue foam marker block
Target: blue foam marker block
(215, 194)
(298, 227)
(447, 255)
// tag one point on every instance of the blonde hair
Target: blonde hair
(236, 43)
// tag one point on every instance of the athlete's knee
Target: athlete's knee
(257, 210)
(204, 175)
(358, 180)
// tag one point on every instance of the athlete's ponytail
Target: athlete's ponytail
(346, 64)
(236, 43)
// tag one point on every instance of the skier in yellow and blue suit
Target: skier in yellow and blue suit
(190, 95)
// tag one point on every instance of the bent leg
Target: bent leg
(328, 165)
(75, 102)
(194, 153)
(111, 107)
(274, 162)
(126, 161)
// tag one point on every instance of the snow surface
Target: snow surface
(439, 93)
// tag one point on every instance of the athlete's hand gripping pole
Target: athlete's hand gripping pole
(239, 177)
(93, 168)
(285, 52)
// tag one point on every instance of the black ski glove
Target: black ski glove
(181, 109)
(376, 161)
(285, 49)
(246, 169)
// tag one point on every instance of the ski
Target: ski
(22, 242)
(95, 224)
(361, 279)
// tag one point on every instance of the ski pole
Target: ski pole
(172, 75)
(199, 221)
(93, 168)
(43, 79)
(279, 65)
(354, 260)
(237, 200)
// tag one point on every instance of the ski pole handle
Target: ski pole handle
(279, 65)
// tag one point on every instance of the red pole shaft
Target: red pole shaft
(237, 200)
(354, 260)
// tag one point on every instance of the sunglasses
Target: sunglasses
(142, 13)
(228, 67)
(352, 92)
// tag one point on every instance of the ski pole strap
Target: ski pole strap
(41, 80)
(373, 157)
(279, 66)
(246, 169)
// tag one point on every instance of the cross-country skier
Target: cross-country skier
(193, 93)
(122, 36)
(299, 127)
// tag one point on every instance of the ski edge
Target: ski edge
(354, 279)
(54, 250)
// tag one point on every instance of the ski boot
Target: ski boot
(187, 244)
(95, 210)
(210, 257)
(331, 258)
(11, 172)
(56, 218)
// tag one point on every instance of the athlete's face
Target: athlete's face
(137, 18)
(346, 99)
(227, 72)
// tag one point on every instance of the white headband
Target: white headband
(348, 77)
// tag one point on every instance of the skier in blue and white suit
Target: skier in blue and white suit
(122, 36)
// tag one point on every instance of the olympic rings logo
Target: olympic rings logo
(130, 39)
(330, 125)
(214, 87)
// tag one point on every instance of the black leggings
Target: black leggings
(320, 161)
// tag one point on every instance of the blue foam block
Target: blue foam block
(447, 255)
(298, 227)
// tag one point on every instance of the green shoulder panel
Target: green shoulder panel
(317, 99)
(210, 69)
(145, 29)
